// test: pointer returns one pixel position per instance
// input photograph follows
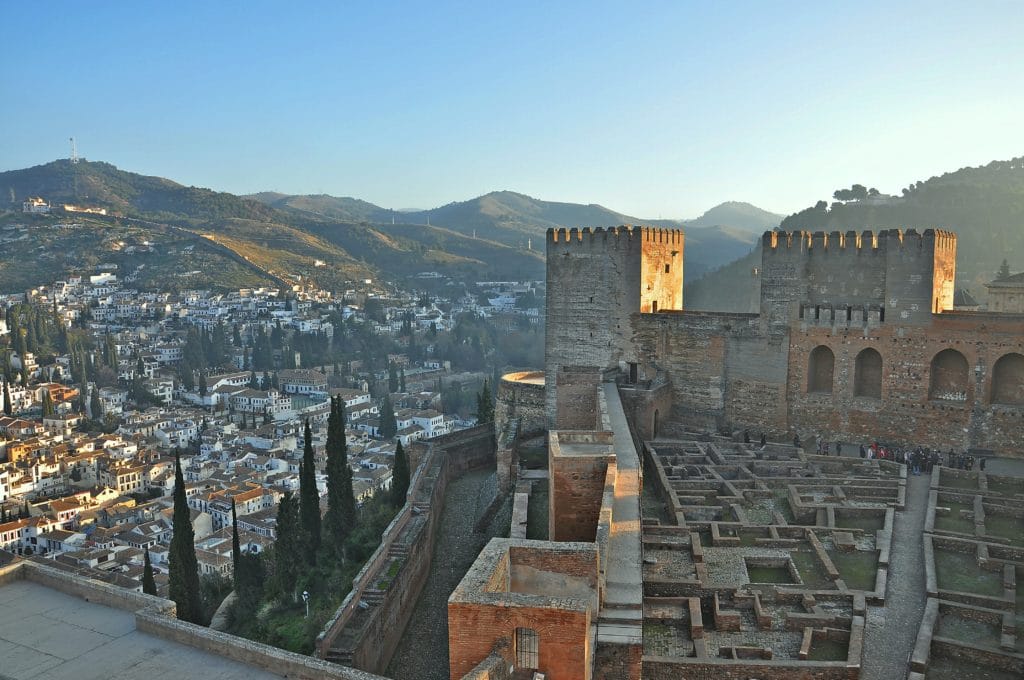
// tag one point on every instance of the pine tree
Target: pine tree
(399, 477)
(184, 570)
(388, 424)
(341, 502)
(309, 497)
(148, 582)
(288, 545)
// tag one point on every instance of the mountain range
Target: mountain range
(333, 239)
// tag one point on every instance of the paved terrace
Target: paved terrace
(57, 626)
(45, 633)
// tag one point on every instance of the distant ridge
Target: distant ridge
(330, 239)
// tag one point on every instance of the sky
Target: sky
(651, 109)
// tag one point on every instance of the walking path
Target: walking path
(892, 629)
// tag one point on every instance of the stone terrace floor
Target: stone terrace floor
(47, 634)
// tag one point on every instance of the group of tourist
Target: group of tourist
(918, 460)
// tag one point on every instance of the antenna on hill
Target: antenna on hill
(74, 151)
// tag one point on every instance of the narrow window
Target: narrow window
(668, 267)
(527, 648)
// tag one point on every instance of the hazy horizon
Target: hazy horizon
(657, 111)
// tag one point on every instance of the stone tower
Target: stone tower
(596, 279)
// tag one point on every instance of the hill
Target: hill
(239, 239)
(104, 185)
(984, 206)
(738, 216)
(516, 220)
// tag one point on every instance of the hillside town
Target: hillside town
(104, 384)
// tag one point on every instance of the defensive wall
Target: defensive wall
(856, 340)
(366, 629)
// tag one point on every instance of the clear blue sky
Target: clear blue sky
(652, 109)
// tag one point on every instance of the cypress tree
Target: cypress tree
(236, 546)
(484, 405)
(95, 406)
(341, 502)
(392, 378)
(184, 569)
(401, 380)
(8, 407)
(388, 425)
(148, 583)
(202, 384)
(309, 498)
(288, 545)
(47, 404)
(400, 477)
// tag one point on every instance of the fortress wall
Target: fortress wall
(722, 370)
(376, 639)
(906, 412)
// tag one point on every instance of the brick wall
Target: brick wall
(564, 647)
(577, 487)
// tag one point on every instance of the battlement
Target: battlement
(785, 242)
(611, 236)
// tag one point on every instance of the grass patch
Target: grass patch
(812, 572)
(858, 568)
(952, 482)
(769, 574)
(863, 522)
(960, 572)
(953, 520)
(828, 650)
(965, 630)
(1010, 528)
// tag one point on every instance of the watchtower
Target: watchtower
(596, 279)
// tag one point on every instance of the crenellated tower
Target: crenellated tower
(596, 279)
(889, 275)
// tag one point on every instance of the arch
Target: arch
(867, 374)
(949, 380)
(1008, 379)
(820, 368)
